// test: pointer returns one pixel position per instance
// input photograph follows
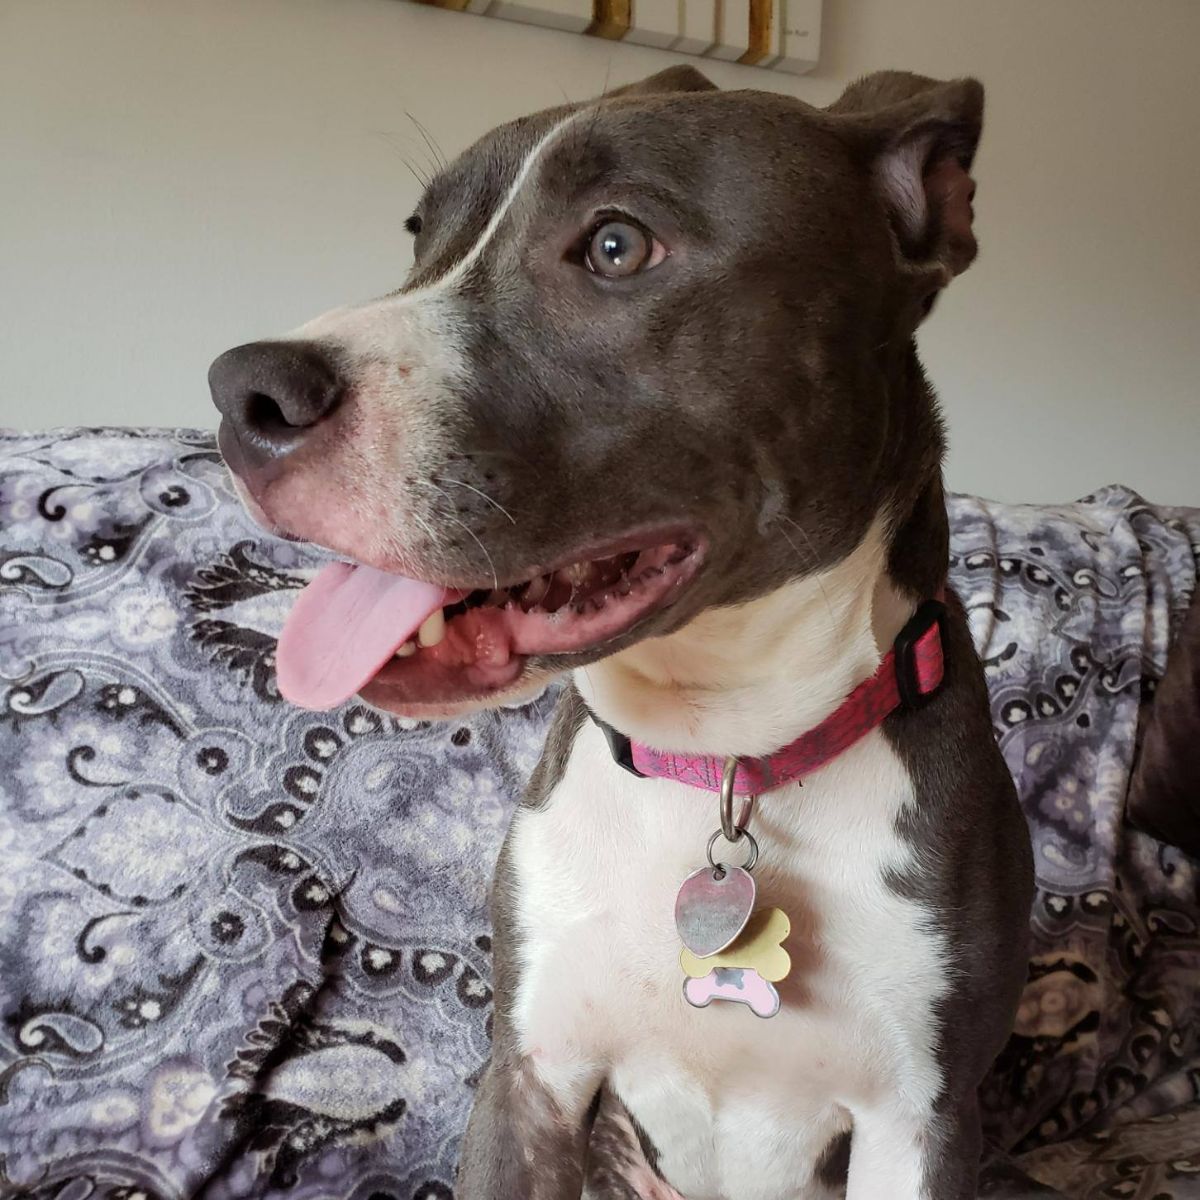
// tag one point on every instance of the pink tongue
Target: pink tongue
(343, 627)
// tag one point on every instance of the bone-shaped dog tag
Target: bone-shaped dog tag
(759, 947)
(738, 985)
(712, 908)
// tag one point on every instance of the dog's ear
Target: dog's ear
(673, 79)
(918, 137)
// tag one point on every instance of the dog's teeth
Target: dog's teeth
(433, 630)
(537, 589)
(577, 574)
(407, 650)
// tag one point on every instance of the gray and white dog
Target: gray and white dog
(648, 412)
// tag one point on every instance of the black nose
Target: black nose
(273, 394)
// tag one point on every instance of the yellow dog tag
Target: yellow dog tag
(758, 947)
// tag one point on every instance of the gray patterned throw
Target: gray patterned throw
(244, 949)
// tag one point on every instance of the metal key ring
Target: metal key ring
(733, 832)
(721, 867)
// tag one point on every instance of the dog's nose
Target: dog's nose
(273, 394)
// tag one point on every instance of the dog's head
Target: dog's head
(654, 356)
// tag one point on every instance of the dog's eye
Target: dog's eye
(617, 249)
(414, 224)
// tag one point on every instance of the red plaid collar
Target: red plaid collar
(909, 675)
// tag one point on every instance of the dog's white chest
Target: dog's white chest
(735, 1105)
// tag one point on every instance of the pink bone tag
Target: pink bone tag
(740, 985)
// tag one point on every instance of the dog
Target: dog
(647, 414)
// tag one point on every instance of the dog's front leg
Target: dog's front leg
(911, 1156)
(523, 1143)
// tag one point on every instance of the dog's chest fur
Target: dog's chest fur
(595, 871)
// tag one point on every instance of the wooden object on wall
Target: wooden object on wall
(784, 34)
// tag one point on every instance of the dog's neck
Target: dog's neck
(749, 679)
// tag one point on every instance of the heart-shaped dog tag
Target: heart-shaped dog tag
(712, 908)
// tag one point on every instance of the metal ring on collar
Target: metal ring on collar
(733, 832)
(748, 865)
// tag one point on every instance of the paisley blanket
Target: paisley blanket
(244, 950)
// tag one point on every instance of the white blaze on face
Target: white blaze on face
(397, 325)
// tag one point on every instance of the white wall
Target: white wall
(177, 176)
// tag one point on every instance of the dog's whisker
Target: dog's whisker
(461, 524)
(430, 165)
(486, 553)
(423, 180)
(438, 157)
(440, 491)
(483, 496)
(590, 128)
(428, 530)
(425, 526)
(389, 139)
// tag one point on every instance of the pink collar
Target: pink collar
(910, 674)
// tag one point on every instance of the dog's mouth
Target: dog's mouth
(406, 644)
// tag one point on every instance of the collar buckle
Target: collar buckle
(619, 746)
(908, 668)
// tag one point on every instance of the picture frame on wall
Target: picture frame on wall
(781, 34)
